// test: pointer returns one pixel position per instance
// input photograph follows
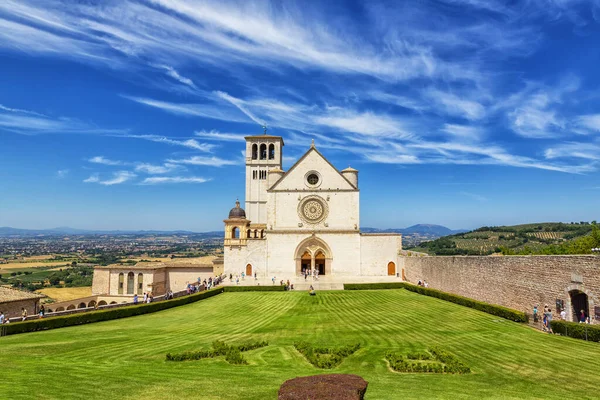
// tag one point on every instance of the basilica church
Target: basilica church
(306, 218)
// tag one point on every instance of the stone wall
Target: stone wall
(518, 282)
(12, 309)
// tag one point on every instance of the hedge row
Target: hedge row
(493, 309)
(325, 357)
(447, 363)
(105, 315)
(374, 286)
(232, 354)
(274, 288)
(576, 330)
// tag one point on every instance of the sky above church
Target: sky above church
(131, 114)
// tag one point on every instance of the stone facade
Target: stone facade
(12, 309)
(518, 282)
(307, 218)
(122, 280)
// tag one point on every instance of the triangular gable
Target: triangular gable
(313, 160)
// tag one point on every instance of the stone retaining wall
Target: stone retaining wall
(518, 282)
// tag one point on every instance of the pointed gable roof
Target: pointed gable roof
(313, 160)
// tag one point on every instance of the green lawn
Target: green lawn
(126, 358)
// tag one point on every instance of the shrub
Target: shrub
(446, 362)
(105, 315)
(493, 309)
(232, 354)
(576, 330)
(274, 288)
(325, 357)
(374, 286)
(330, 386)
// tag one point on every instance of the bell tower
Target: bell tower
(263, 153)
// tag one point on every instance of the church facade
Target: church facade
(305, 218)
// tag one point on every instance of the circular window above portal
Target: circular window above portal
(313, 179)
(313, 209)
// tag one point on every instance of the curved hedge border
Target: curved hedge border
(576, 330)
(274, 288)
(104, 315)
(499, 311)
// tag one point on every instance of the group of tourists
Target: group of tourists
(422, 283)
(547, 317)
(237, 277)
(306, 272)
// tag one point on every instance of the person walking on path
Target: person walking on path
(135, 298)
(548, 320)
(23, 314)
(582, 317)
(1, 317)
(563, 315)
(535, 313)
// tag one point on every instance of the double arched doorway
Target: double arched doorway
(313, 254)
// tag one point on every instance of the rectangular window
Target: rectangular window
(253, 174)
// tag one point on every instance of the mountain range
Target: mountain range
(423, 229)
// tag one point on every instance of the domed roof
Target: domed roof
(349, 169)
(237, 211)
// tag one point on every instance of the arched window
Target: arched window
(262, 233)
(140, 283)
(121, 283)
(263, 151)
(71, 307)
(92, 303)
(271, 152)
(248, 233)
(254, 151)
(255, 233)
(130, 284)
(101, 303)
(235, 233)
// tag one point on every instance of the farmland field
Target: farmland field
(68, 293)
(126, 358)
(31, 264)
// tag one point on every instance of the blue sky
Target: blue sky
(131, 114)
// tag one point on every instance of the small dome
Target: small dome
(237, 211)
(349, 169)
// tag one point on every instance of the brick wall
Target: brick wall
(518, 282)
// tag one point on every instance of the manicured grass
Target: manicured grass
(126, 358)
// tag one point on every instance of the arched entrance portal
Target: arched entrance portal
(249, 270)
(391, 268)
(313, 254)
(579, 302)
(320, 262)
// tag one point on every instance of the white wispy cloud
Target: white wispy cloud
(21, 111)
(206, 161)
(105, 161)
(219, 136)
(62, 173)
(589, 151)
(156, 180)
(457, 105)
(117, 178)
(591, 121)
(474, 196)
(175, 75)
(463, 132)
(94, 178)
(155, 169)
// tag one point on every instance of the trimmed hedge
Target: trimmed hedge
(105, 315)
(446, 363)
(499, 311)
(576, 330)
(325, 357)
(374, 286)
(233, 354)
(274, 288)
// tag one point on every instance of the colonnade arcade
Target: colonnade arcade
(313, 254)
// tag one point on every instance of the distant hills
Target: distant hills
(537, 238)
(423, 229)
(427, 230)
